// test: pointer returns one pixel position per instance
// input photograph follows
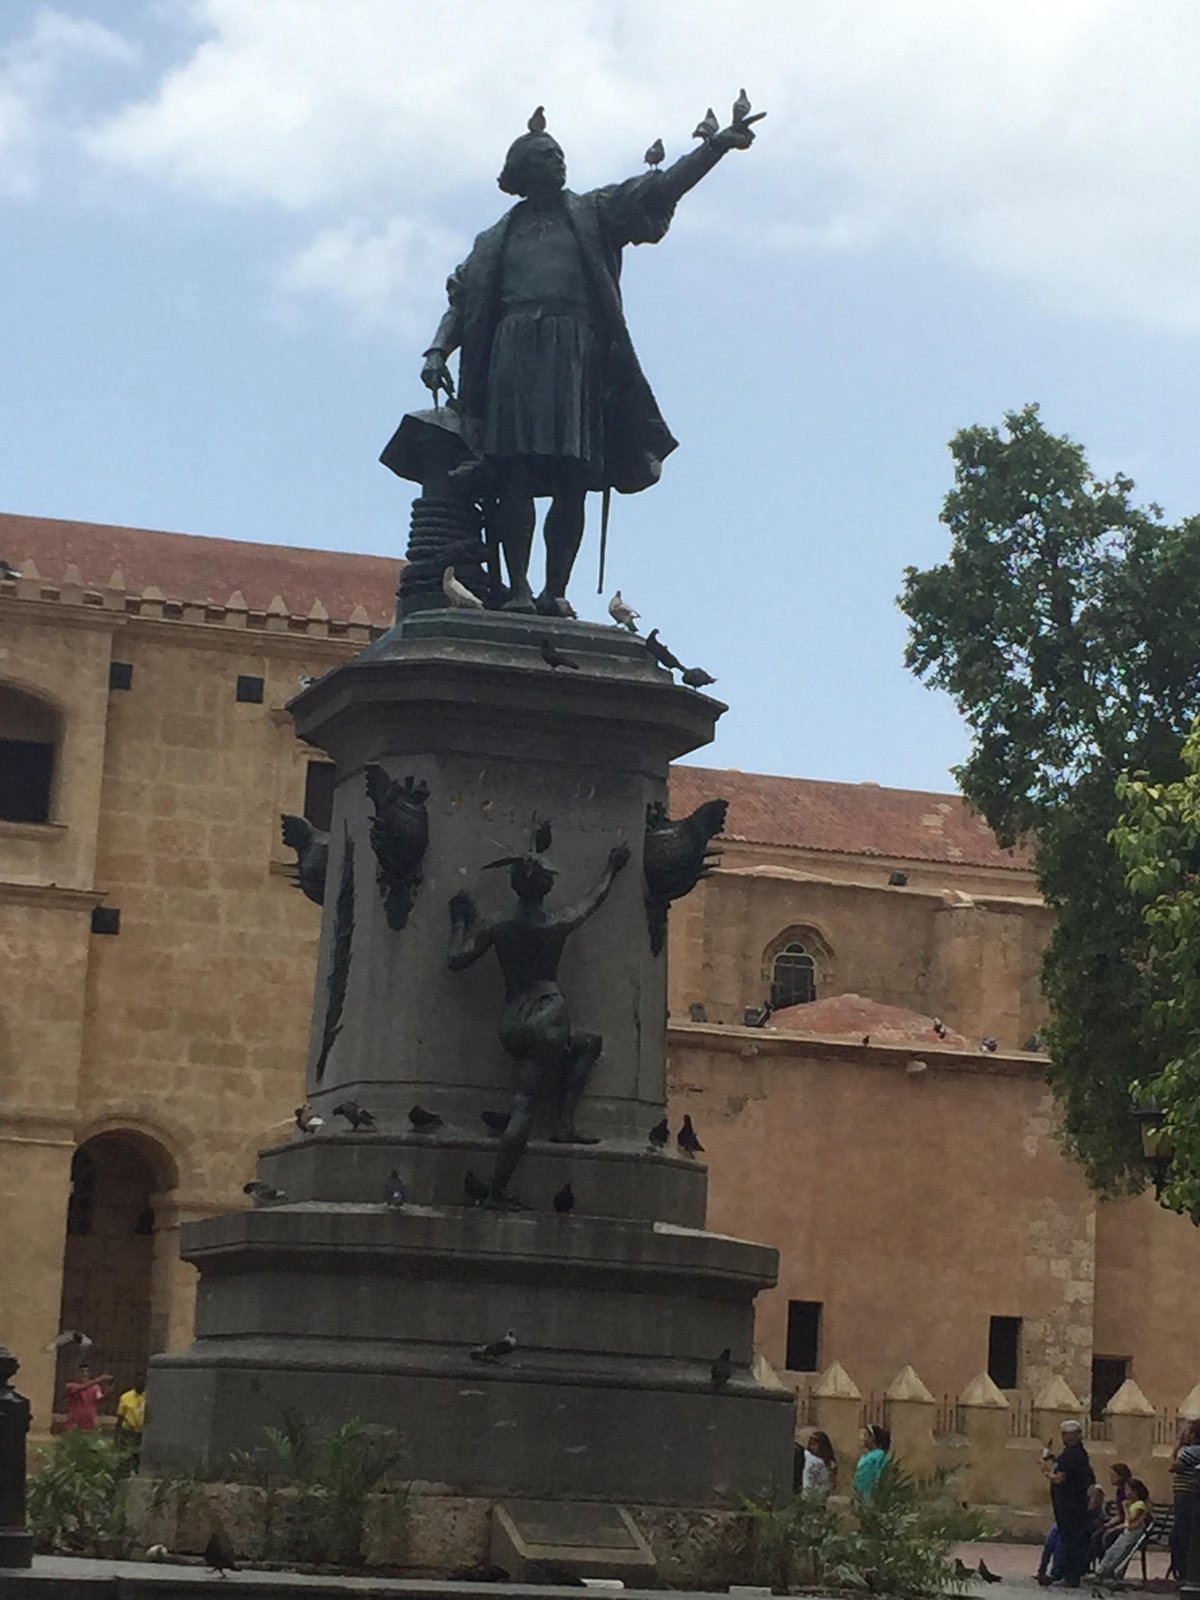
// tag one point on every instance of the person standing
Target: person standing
(1070, 1482)
(131, 1416)
(1185, 1481)
(877, 1442)
(84, 1395)
(819, 1468)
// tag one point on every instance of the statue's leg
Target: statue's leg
(564, 534)
(515, 519)
(516, 1135)
(581, 1056)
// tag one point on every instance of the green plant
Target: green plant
(907, 1532)
(796, 1541)
(76, 1499)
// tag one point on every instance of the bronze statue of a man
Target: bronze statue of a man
(552, 399)
(553, 1060)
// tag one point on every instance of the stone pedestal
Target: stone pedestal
(333, 1305)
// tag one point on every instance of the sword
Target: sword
(605, 503)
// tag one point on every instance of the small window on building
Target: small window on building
(1108, 1374)
(804, 1335)
(793, 977)
(249, 689)
(318, 794)
(1004, 1351)
(26, 778)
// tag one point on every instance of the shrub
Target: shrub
(76, 1497)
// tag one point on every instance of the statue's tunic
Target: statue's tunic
(548, 371)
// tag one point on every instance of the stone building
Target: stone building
(157, 968)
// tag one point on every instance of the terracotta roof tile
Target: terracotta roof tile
(854, 818)
(188, 566)
(854, 1016)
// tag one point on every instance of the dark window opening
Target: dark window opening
(120, 675)
(318, 794)
(83, 1194)
(26, 780)
(106, 919)
(793, 977)
(1004, 1351)
(1108, 1374)
(804, 1335)
(249, 689)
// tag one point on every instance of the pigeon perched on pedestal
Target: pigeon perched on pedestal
(394, 1192)
(458, 594)
(258, 1190)
(564, 1200)
(424, 1121)
(688, 1140)
(659, 1134)
(622, 612)
(357, 1116)
(722, 1369)
(497, 1350)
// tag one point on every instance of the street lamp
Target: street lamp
(1157, 1150)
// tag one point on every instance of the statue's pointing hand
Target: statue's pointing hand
(739, 135)
(618, 857)
(435, 374)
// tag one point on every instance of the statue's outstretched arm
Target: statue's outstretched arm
(572, 916)
(686, 173)
(469, 938)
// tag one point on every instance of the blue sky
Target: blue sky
(228, 224)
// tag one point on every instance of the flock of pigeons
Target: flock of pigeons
(619, 610)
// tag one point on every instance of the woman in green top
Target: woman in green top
(877, 1442)
(1137, 1515)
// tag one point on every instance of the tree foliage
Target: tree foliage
(1066, 627)
(1158, 842)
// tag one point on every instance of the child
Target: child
(1137, 1515)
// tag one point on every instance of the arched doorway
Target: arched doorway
(108, 1262)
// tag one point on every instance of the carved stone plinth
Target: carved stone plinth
(333, 1304)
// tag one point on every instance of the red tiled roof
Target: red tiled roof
(854, 818)
(187, 566)
(853, 1016)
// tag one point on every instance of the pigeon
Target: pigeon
(939, 1027)
(157, 1552)
(217, 1554)
(661, 654)
(67, 1338)
(305, 680)
(496, 1121)
(258, 1190)
(1035, 1042)
(481, 1572)
(554, 657)
(697, 678)
(476, 1192)
(654, 156)
(988, 1577)
(307, 1120)
(866, 1038)
(424, 1121)
(659, 1134)
(961, 1569)
(897, 879)
(688, 1140)
(497, 1350)
(564, 1200)
(741, 109)
(707, 126)
(988, 1044)
(537, 122)
(722, 1369)
(394, 1194)
(458, 594)
(357, 1116)
(622, 612)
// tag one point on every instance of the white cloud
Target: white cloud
(32, 70)
(1052, 145)
(391, 274)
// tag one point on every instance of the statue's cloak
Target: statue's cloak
(604, 221)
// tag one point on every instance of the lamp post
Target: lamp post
(16, 1542)
(1158, 1148)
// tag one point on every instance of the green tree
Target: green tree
(1066, 627)
(1158, 842)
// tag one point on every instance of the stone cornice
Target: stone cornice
(49, 896)
(725, 1039)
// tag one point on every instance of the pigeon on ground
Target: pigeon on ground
(537, 122)
(939, 1027)
(553, 657)
(622, 612)
(664, 657)
(707, 126)
(258, 1190)
(989, 1045)
(458, 594)
(217, 1554)
(497, 1350)
(688, 1140)
(564, 1200)
(988, 1577)
(481, 1572)
(659, 1134)
(722, 1369)
(67, 1338)
(495, 1121)
(654, 156)
(476, 1192)
(697, 678)
(157, 1552)
(424, 1121)
(961, 1569)
(394, 1193)
(307, 1120)
(357, 1116)
(866, 1038)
